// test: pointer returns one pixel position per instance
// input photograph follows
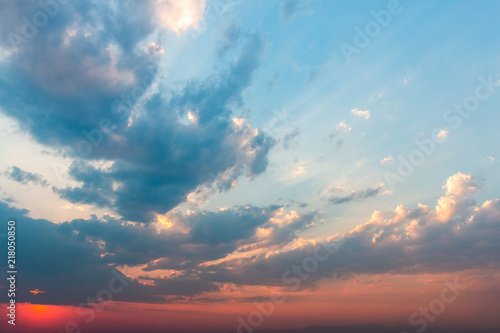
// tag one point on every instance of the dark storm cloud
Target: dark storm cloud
(25, 177)
(78, 80)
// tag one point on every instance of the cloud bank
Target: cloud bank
(252, 246)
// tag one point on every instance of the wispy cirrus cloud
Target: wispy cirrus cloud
(354, 195)
(387, 160)
(339, 133)
(292, 8)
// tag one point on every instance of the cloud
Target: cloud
(64, 80)
(357, 195)
(68, 269)
(215, 236)
(416, 241)
(287, 140)
(25, 177)
(337, 188)
(387, 160)
(489, 159)
(292, 8)
(312, 75)
(299, 171)
(360, 113)
(179, 16)
(251, 246)
(96, 63)
(230, 37)
(343, 128)
(189, 241)
(84, 86)
(339, 133)
(442, 134)
(407, 79)
(457, 200)
(73, 260)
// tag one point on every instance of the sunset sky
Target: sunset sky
(231, 166)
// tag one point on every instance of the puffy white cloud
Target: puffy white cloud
(460, 185)
(361, 113)
(342, 127)
(457, 200)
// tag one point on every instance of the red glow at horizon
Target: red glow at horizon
(41, 315)
(381, 299)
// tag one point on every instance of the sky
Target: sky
(231, 166)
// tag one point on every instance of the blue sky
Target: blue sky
(429, 57)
